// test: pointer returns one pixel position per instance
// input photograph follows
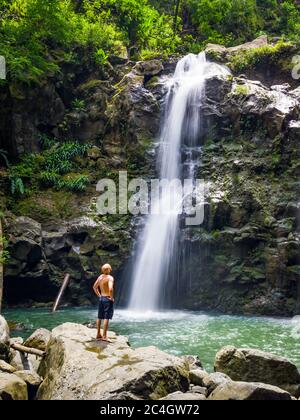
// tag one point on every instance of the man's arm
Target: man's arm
(111, 288)
(96, 288)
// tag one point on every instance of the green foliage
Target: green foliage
(79, 105)
(16, 185)
(46, 142)
(49, 168)
(60, 158)
(4, 254)
(241, 90)
(36, 36)
(225, 21)
(34, 33)
(75, 183)
(290, 19)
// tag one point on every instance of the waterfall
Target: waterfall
(158, 251)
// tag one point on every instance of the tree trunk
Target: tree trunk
(1, 264)
(176, 15)
(28, 350)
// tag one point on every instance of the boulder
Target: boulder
(210, 381)
(39, 339)
(181, 396)
(76, 366)
(238, 98)
(12, 387)
(216, 52)
(32, 379)
(20, 361)
(193, 361)
(221, 53)
(244, 391)
(4, 340)
(197, 376)
(148, 68)
(259, 42)
(5, 367)
(214, 380)
(194, 389)
(253, 365)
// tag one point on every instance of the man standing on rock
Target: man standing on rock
(104, 289)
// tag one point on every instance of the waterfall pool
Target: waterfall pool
(180, 332)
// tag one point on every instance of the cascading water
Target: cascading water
(157, 255)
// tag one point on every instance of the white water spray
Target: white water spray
(158, 246)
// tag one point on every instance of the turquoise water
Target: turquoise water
(181, 332)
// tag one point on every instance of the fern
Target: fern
(46, 142)
(16, 185)
(3, 154)
(77, 184)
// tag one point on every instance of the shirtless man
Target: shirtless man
(104, 289)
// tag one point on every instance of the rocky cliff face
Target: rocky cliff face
(243, 259)
(51, 233)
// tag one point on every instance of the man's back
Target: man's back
(105, 283)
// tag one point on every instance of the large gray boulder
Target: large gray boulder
(39, 339)
(4, 340)
(239, 98)
(148, 68)
(32, 379)
(251, 365)
(21, 361)
(244, 391)
(12, 387)
(78, 367)
(210, 381)
(181, 396)
(5, 367)
(221, 53)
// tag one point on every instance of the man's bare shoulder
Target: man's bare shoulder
(111, 278)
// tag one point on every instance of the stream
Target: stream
(180, 332)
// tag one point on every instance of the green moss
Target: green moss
(241, 90)
(279, 55)
(47, 206)
(90, 85)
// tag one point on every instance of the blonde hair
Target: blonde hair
(106, 269)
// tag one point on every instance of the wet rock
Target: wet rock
(244, 391)
(256, 366)
(76, 366)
